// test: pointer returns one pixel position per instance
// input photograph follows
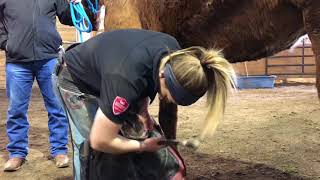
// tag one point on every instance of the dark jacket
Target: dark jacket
(28, 28)
(120, 65)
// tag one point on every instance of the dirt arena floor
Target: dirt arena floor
(266, 134)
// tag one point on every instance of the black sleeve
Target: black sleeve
(3, 30)
(64, 14)
(118, 98)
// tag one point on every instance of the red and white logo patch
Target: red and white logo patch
(120, 105)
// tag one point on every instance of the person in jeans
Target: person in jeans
(29, 36)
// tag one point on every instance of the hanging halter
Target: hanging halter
(80, 18)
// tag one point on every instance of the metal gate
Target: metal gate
(302, 64)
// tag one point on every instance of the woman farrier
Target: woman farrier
(106, 84)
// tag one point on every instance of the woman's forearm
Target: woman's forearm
(117, 145)
(104, 136)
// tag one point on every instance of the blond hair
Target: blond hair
(199, 71)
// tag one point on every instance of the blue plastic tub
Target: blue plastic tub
(255, 82)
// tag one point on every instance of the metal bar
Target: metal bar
(302, 58)
(300, 47)
(291, 56)
(293, 74)
(280, 65)
(266, 66)
(279, 74)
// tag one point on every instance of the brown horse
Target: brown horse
(245, 30)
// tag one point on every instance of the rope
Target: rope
(80, 18)
(93, 8)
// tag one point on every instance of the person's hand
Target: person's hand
(151, 144)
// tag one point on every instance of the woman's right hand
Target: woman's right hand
(151, 144)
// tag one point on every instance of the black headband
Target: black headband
(178, 93)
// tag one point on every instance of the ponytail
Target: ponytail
(199, 71)
(221, 78)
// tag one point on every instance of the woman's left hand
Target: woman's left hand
(151, 144)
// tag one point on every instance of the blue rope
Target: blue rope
(80, 19)
(94, 9)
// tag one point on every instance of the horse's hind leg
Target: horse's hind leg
(311, 14)
(168, 119)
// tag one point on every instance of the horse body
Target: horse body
(244, 30)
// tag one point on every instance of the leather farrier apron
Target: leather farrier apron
(90, 164)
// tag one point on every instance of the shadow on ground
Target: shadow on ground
(204, 167)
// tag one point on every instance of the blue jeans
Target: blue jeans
(19, 80)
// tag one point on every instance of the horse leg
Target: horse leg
(121, 14)
(312, 25)
(168, 119)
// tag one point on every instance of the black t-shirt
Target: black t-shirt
(120, 68)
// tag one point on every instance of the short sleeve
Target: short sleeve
(119, 97)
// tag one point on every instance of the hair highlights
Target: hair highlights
(199, 71)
